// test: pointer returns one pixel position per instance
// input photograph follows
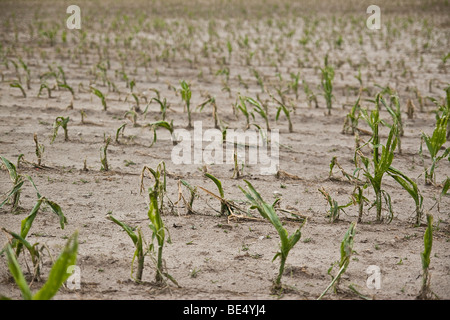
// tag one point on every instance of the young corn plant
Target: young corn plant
(17, 180)
(352, 118)
(163, 124)
(224, 208)
(156, 196)
(138, 242)
(28, 221)
(268, 212)
(57, 276)
(286, 111)
(242, 106)
(132, 116)
(346, 250)
(411, 187)
(34, 251)
(102, 97)
(39, 149)
(27, 73)
(425, 291)
(259, 108)
(380, 163)
(396, 115)
(17, 84)
(437, 140)
(121, 129)
(335, 208)
(327, 83)
(186, 95)
(60, 122)
(193, 194)
(163, 107)
(104, 156)
(43, 86)
(294, 85)
(18, 241)
(212, 102)
(310, 95)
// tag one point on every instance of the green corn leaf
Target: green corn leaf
(125, 227)
(57, 210)
(27, 222)
(11, 169)
(17, 274)
(24, 242)
(446, 187)
(267, 211)
(217, 182)
(58, 273)
(155, 217)
(32, 182)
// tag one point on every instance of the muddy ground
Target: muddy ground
(213, 256)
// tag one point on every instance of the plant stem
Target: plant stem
(281, 271)
(378, 202)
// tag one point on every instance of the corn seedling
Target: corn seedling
(83, 114)
(295, 83)
(67, 87)
(192, 192)
(212, 102)
(136, 99)
(17, 180)
(60, 122)
(351, 120)
(310, 95)
(27, 73)
(359, 199)
(425, 291)
(236, 171)
(224, 208)
(396, 115)
(268, 212)
(186, 95)
(163, 124)
(43, 86)
(118, 131)
(163, 107)
(19, 240)
(286, 111)
(156, 195)
(327, 83)
(259, 108)
(444, 192)
(99, 94)
(57, 276)
(138, 242)
(132, 114)
(346, 250)
(33, 250)
(242, 106)
(259, 79)
(50, 35)
(39, 149)
(380, 162)
(335, 208)
(16, 84)
(411, 187)
(437, 140)
(103, 155)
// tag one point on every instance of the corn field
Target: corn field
(93, 121)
